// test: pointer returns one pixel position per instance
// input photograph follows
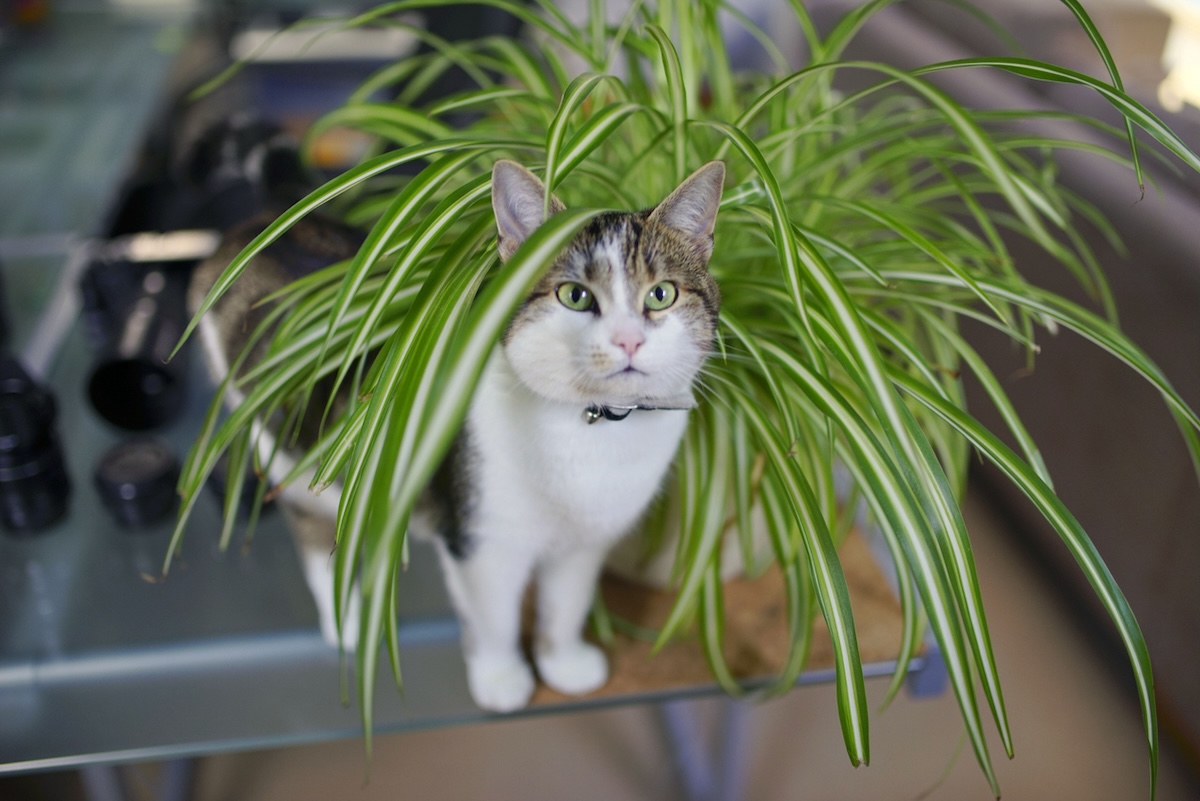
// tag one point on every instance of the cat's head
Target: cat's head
(628, 311)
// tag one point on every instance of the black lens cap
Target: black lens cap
(33, 479)
(136, 481)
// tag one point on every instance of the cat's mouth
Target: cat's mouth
(621, 385)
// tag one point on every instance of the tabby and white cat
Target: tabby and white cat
(573, 426)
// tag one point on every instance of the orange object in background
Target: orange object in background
(27, 12)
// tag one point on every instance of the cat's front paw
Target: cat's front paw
(573, 669)
(499, 683)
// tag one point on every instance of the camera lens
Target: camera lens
(33, 480)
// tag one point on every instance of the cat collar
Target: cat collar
(595, 412)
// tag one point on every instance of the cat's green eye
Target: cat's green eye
(576, 297)
(661, 296)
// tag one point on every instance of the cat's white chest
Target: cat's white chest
(546, 477)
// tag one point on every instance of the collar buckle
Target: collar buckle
(595, 413)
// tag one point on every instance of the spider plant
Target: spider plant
(859, 229)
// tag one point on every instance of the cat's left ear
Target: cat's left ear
(517, 198)
(691, 209)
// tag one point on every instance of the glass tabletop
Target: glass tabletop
(101, 658)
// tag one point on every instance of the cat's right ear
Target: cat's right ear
(517, 197)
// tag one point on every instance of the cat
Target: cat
(572, 429)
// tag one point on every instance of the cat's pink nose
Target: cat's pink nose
(629, 340)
